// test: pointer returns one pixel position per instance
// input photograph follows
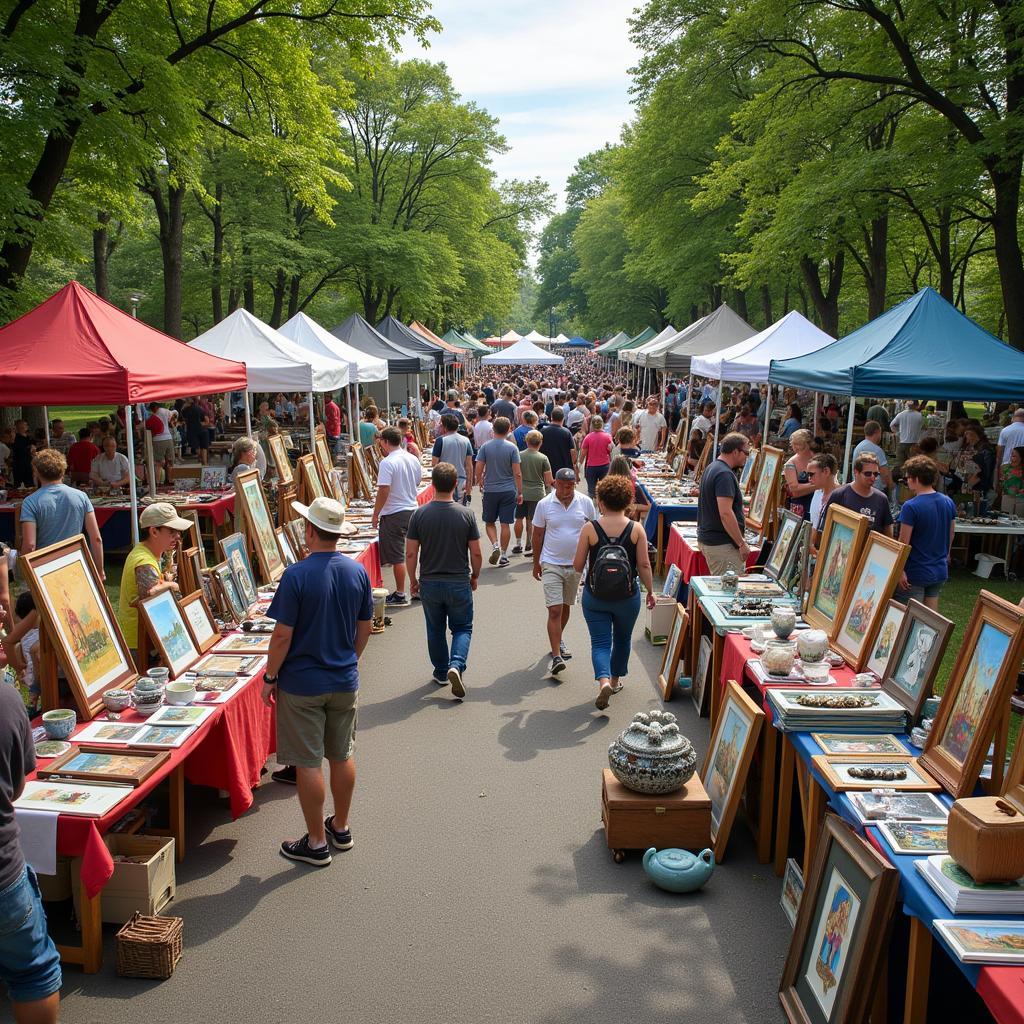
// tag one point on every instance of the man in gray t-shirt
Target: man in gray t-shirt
(500, 476)
(455, 449)
(720, 520)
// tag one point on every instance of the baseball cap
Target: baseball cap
(161, 513)
(326, 514)
(565, 474)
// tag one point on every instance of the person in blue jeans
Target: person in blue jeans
(926, 523)
(29, 962)
(611, 621)
(444, 538)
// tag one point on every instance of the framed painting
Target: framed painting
(669, 672)
(195, 537)
(296, 531)
(309, 478)
(249, 493)
(199, 619)
(977, 694)
(360, 485)
(917, 838)
(705, 457)
(674, 576)
(279, 453)
(229, 665)
(885, 639)
(699, 691)
(231, 605)
(870, 808)
(237, 558)
(794, 572)
(97, 764)
(166, 625)
(833, 960)
(841, 541)
(984, 942)
(187, 579)
(285, 543)
(916, 655)
(78, 798)
(336, 486)
(79, 622)
(213, 478)
(790, 526)
(763, 502)
(868, 744)
(792, 890)
(728, 761)
(840, 771)
(244, 643)
(878, 572)
(749, 471)
(323, 455)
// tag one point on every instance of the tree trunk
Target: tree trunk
(217, 268)
(293, 295)
(740, 298)
(232, 299)
(694, 313)
(766, 305)
(1006, 189)
(248, 288)
(878, 266)
(170, 214)
(280, 284)
(826, 300)
(100, 252)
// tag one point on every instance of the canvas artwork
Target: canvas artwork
(312, 483)
(181, 714)
(279, 453)
(71, 797)
(864, 601)
(765, 482)
(697, 686)
(285, 542)
(108, 732)
(792, 890)
(832, 937)
(915, 837)
(910, 672)
(197, 615)
(787, 534)
(114, 766)
(163, 735)
(879, 744)
(924, 807)
(213, 477)
(165, 621)
(238, 561)
(732, 736)
(1000, 942)
(882, 648)
(972, 697)
(834, 563)
(747, 471)
(258, 518)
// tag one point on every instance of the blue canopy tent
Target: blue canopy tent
(922, 348)
(578, 342)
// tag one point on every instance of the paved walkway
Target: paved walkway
(480, 887)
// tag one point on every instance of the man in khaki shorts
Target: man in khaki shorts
(720, 520)
(323, 609)
(558, 520)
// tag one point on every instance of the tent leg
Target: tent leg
(133, 497)
(718, 418)
(849, 441)
(248, 417)
(46, 423)
(816, 404)
(767, 416)
(312, 421)
(387, 400)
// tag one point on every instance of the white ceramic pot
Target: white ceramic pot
(783, 621)
(778, 659)
(812, 645)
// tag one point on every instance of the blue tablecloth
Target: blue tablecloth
(670, 513)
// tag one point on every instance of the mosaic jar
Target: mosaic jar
(652, 756)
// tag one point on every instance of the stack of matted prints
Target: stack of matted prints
(813, 710)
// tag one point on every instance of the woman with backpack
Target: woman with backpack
(614, 549)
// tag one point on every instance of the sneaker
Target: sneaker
(285, 775)
(397, 600)
(564, 651)
(518, 549)
(340, 839)
(528, 550)
(440, 680)
(455, 678)
(503, 562)
(302, 851)
(616, 689)
(604, 695)
(557, 665)
(495, 555)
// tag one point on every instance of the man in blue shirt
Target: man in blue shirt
(323, 608)
(926, 523)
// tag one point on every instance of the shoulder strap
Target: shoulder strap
(625, 535)
(601, 535)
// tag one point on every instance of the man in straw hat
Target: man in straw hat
(323, 609)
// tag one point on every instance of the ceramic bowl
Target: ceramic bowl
(180, 693)
(148, 708)
(59, 723)
(159, 675)
(116, 700)
(778, 659)
(865, 680)
(817, 673)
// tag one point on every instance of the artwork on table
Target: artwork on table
(193, 536)
(916, 655)
(748, 472)
(309, 478)
(874, 581)
(163, 735)
(924, 807)
(213, 478)
(166, 625)
(97, 764)
(359, 484)
(792, 890)
(833, 959)
(244, 643)
(839, 771)
(668, 676)
(76, 798)
(699, 690)
(231, 604)
(984, 942)
(249, 492)
(108, 732)
(323, 456)
(885, 639)
(296, 530)
(915, 837)
(336, 480)
(727, 763)
(672, 580)
(285, 543)
(871, 744)
(230, 664)
(705, 457)
(187, 579)
(199, 620)
(977, 693)
(788, 535)
(762, 503)
(279, 453)
(842, 538)
(794, 570)
(179, 714)
(237, 558)
(79, 622)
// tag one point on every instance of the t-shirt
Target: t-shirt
(562, 526)
(21, 451)
(875, 506)
(164, 415)
(931, 516)
(649, 426)
(482, 433)
(535, 464)
(367, 433)
(520, 435)
(444, 530)
(80, 456)
(558, 446)
(332, 419)
(127, 613)
(454, 448)
(718, 481)
(1010, 437)
(58, 511)
(908, 425)
(871, 448)
(62, 443)
(322, 598)
(879, 415)
(596, 447)
(503, 407)
(401, 472)
(575, 418)
(499, 456)
(17, 759)
(111, 471)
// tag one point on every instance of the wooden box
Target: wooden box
(986, 838)
(146, 883)
(636, 821)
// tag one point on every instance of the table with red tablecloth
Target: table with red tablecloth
(426, 495)
(370, 561)
(683, 552)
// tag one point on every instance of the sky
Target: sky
(554, 73)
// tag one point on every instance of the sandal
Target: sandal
(604, 695)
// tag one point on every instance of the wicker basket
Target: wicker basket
(149, 947)
(986, 838)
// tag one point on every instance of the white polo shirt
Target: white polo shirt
(401, 472)
(562, 526)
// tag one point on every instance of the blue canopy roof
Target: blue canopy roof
(922, 348)
(579, 342)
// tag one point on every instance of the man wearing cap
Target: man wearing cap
(323, 610)
(143, 576)
(558, 521)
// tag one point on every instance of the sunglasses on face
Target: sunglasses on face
(870, 472)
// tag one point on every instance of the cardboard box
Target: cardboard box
(57, 887)
(146, 885)
(660, 619)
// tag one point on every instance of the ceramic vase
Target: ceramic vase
(678, 870)
(652, 756)
(778, 658)
(783, 621)
(812, 645)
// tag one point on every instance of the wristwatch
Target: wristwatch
(270, 680)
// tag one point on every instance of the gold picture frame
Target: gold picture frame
(310, 484)
(842, 538)
(830, 767)
(260, 527)
(199, 620)
(279, 453)
(762, 502)
(915, 657)
(168, 630)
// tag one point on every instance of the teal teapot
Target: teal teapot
(678, 870)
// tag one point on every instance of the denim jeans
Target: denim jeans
(29, 962)
(447, 605)
(611, 632)
(594, 475)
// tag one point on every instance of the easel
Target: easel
(285, 497)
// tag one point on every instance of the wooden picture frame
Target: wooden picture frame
(831, 767)
(283, 464)
(323, 456)
(915, 657)
(187, 580)
(842, 538)
(788, 535)
(748, 474)
(762, 502)
(885, 638)
(310, 484)
(285, 543)
(87, 763)
(705, 457)
(358, 476)
(859, 744)
(79, 624)
(232, 606)
(699, 689)
(195, 537)
(727, 763)
(977, 695)
(874, 582)
(668, 674)
(166, 626)
(296, 530)
(260, 527)
(213, 478)
(199, 620)
(794, 572)
(854, 887)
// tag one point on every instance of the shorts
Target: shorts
(163, 451)
(499, 507)
(29, 962)
(526, 510)
(393, 528)
(561, 584)
(918, 591)
(310, 728)
(721, 557)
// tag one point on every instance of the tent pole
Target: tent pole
(133, 497)
(767, 415)
(312, 422)
(248, 417)
(46, 423)
(718, 418)
(849, 440)
(348, 402)
(816, 403)
(387, 399)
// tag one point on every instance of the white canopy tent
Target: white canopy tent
(523, 353)
(559, 339)
(629, 355)
(537, 338)
(511, 335)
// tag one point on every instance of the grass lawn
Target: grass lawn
(77, 416)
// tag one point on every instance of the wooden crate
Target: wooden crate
(636, 821)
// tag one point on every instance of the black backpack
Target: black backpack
(611, 572)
